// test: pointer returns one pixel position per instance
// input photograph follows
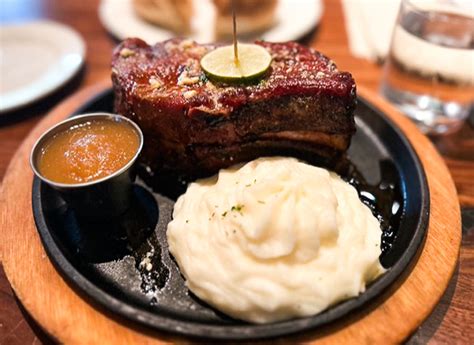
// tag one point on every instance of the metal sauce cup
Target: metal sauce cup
(98, 200)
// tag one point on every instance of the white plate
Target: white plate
(36, 59)
(294, 19)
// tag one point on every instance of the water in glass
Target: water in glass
(429, 72)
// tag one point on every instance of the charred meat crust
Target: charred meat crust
(195, 126)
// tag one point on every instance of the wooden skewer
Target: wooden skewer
(234, 23)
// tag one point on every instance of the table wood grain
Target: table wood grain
(453, 319)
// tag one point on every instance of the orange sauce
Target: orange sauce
(88, 151)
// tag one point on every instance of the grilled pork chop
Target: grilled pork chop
(303, 106)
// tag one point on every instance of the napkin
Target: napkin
(369, 25)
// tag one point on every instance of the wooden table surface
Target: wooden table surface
(453, 319)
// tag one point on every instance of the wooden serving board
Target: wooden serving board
(71, 319)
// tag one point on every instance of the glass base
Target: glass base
(431, 115)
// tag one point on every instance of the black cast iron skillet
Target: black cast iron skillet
(103, 260)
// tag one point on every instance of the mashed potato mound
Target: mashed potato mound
(274, 239)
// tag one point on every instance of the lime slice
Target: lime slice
(219, 64)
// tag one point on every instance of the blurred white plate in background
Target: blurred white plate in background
(294, 19)
(35, 59)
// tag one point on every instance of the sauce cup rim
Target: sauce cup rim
(83, 117)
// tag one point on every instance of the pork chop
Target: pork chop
(302, 106)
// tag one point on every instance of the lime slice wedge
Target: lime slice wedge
(219, 64)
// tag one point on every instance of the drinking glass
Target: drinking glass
(429, 71)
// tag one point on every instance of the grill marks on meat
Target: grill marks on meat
(303, 106)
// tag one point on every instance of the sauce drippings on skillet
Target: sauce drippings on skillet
(88, 151)
(383, 198)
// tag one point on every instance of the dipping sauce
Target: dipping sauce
(88, 151)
